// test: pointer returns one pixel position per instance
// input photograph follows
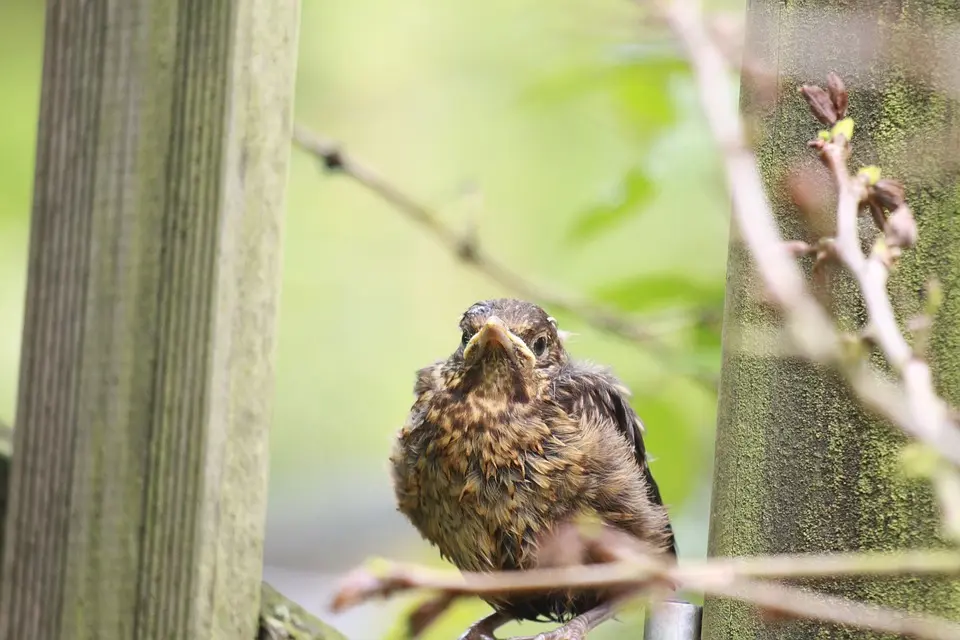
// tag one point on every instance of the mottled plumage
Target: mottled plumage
(509, 437)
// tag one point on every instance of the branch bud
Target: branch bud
(901, 228)
(798, 248)
(876, 211)
(871, 173)
(844, 128)
(825, 252)
(838, 94)
(820, 104)
(888, 193)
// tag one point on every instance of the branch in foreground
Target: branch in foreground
(467, 249)
(730, 578)
(788, 601)
(914, 406)
(387, 578)
(283, 619)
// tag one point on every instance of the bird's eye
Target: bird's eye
(539, 346)
(465, 338)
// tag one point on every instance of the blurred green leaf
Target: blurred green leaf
(642, 96)
(655, 291)
(637, 86)
(634, 191)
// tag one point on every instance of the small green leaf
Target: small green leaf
(824, 135)
(641, 95)
(919, 460)
(635, 190)
(844, 127)
(934, 297)
(637, 88)
(871, 173)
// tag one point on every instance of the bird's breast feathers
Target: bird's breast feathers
(467, 472)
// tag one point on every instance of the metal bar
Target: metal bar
(672, 620)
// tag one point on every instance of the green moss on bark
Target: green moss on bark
(800, 467)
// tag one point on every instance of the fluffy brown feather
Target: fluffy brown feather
(508, 438)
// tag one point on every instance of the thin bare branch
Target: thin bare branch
(729, 577)
(928, 413)
(917, 562)
(783, 600)
(468, 250)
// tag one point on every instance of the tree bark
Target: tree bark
(799, 466)
(138, 487)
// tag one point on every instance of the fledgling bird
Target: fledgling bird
(507, 439)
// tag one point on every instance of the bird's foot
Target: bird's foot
(579, 627)
(477, 632)
(483, 629)
(569, 631)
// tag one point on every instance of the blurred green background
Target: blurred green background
(578, 128)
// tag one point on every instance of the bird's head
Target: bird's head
(508, 347)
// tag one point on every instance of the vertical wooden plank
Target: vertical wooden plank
(139, 483)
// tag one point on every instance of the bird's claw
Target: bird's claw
(477, 632)
(566, 632)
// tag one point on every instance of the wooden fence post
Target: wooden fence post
(799, 466)
(138, 484)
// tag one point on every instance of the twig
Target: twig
(364, 584)
(781, 599)
(467, 249)
(834, 565)
(733, 578)
(915, 406)
(928, 412)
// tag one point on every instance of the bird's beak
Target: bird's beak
(494, 332)
(495, 335)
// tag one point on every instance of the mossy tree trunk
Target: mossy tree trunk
(799, 466)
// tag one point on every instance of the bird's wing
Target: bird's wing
(592, 390)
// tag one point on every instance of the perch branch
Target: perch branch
(914, 406)
(732, 578)
(466, 248)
